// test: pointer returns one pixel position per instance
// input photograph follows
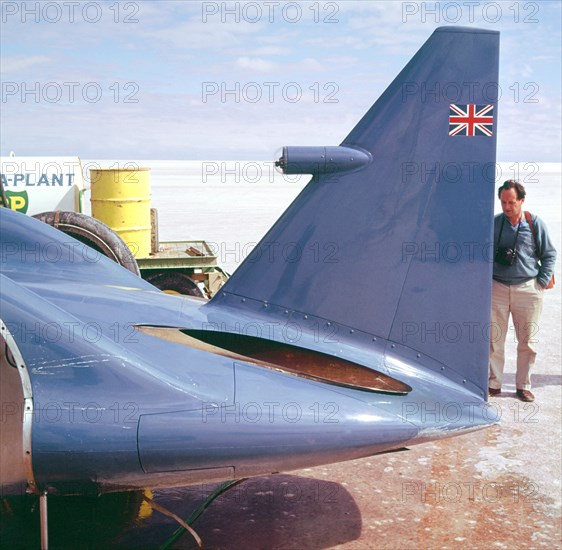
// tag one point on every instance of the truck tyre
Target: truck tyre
(93, 233)
(174, 282)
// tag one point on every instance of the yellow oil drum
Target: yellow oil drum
(120, 198)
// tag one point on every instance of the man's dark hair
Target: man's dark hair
(512, 184)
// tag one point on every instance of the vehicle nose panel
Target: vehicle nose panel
(277, 422)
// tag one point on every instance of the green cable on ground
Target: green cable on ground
(197, 513)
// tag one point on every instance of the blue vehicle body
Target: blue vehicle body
(124, 387)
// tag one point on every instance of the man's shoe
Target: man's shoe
(494, 391)
(525, 395)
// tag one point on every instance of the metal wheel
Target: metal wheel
(174, 282)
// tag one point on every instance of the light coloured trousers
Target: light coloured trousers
(524, 302)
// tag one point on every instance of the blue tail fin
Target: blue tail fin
(392, 235)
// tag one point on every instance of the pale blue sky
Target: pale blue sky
(237, 80)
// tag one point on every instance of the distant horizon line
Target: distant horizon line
(268, 160)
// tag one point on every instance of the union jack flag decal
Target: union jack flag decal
(471, 120)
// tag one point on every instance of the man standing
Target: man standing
(524, 259)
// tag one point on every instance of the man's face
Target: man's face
(511, 205)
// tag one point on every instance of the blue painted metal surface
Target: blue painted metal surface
(116, 407)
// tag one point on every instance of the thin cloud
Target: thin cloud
(255, 64)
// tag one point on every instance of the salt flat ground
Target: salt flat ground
(496, 488)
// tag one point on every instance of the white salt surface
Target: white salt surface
(233, 203)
